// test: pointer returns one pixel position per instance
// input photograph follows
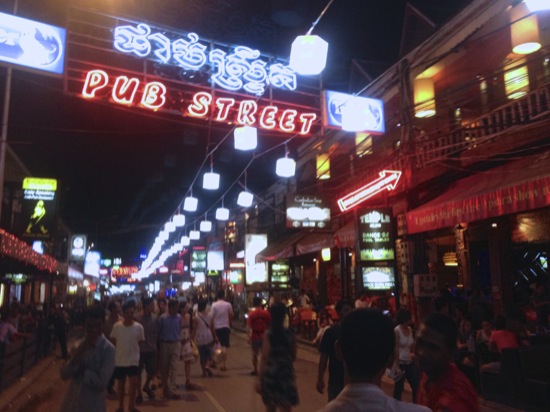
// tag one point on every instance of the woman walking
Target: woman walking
(204, 336)
(277, 382)
(404, 342)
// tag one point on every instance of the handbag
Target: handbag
(395, 373)
(217, 352)
(194, 349)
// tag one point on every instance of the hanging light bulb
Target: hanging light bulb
(194, 235)
(211, 180)
(222, 213)
(308, 55)
(285, 167)
(190, 204)
(246, 138)
(524, 30)
(179, 220)
(206, 225)
(245, 199)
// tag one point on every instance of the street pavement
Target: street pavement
(231, 391)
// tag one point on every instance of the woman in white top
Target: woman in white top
(186, 351)
(404, 342)
(204, 335)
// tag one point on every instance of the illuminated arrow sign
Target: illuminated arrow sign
(388, 180)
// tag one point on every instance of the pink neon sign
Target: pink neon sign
(153, 95)
(388, 180)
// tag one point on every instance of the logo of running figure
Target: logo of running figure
(35, 221)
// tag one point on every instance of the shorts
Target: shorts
(223, 336)
(205, 352)
(122, 371)
(148, 360)
(256, 346)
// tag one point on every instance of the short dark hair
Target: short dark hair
(367, 341)
(500, 322)
(201, 305)
(112, 305)
(129, 304)
(445, 326)
(403, 315)
(173, 303)
(221, 294)
(257, 301)
(341, 303)
(94, 312)
(440, 302)
(147, 301)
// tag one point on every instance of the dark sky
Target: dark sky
(123, 174)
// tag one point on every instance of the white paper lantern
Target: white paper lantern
(286, 167)
(538, 5)
(194, 235)
(170, 227)
(206, 226)
(211, 181)
(190, 204)
(163, 235)
(245, 199)
(246, 138)
(308, 55)
(222, 213)
(179, 220)
(185, 241)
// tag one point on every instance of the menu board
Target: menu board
(376, 239)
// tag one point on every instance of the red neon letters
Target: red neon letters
(388, 180)
(202, 105)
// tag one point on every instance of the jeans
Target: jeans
(411, 375)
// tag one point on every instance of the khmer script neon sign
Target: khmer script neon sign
(240, 68)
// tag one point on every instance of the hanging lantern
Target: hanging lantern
(190, 204)
(308, 55)
(222, 213)
(185, 240)
(424, 100)
(516, 79)
(205, 226)
(325, 254)
(246, 138)
(170, 227)
(211, 181)
(524, 30)
(245, 199)
(179, 220)
(323, 166)
(286, 167)
(194, 235)
(537, 5)
(450, 259)
(163, 235)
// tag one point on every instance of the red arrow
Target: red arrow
(388, 180)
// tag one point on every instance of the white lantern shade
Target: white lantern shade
(246, 138)
(185, 240)
(179, 220)
(245, 199)
(524, 30)
(170, 227)
(424, 101)
(286, 167)
(222, 213)
(308, 55)
(206, 226)
(194, 235)
(211, 181)
(163, 235)
(190, 204)
(537, 5)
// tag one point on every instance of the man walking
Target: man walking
(89, 368)
(258, 321)
(222, 316)
(127, 336)
(147, 349)
(328, 356)
(168, 330)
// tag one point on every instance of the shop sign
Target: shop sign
(78, 247)
(38, 208)
(198, 263)
(32, 44)
(366, 114)
(378, 278)
(309, 211)
(387, 181)
(254, 244)
(17, 278)
(376, 239)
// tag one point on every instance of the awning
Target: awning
(20, 252)
(314, 242)
(280, 249)
(514, 187)
(345, 236)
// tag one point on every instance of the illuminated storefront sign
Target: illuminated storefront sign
(38, 208)
(155, 95)
(233, 69)
(198, 264)
(91, 263)
(78, 247)
(378, 278)
(32, 44)
(353, 113)
(376, 235)
(307, 211)
(387, 181)
(255, 272)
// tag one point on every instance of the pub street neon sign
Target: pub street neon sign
(241, 68)
(153, 95)
(387, 181)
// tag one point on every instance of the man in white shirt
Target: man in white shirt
(222, 315)
(126, 336)
(367, 347)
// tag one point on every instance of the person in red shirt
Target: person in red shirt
(501, 338)
(258, 322)
(442, 386)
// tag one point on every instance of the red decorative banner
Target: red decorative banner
(17, 249)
